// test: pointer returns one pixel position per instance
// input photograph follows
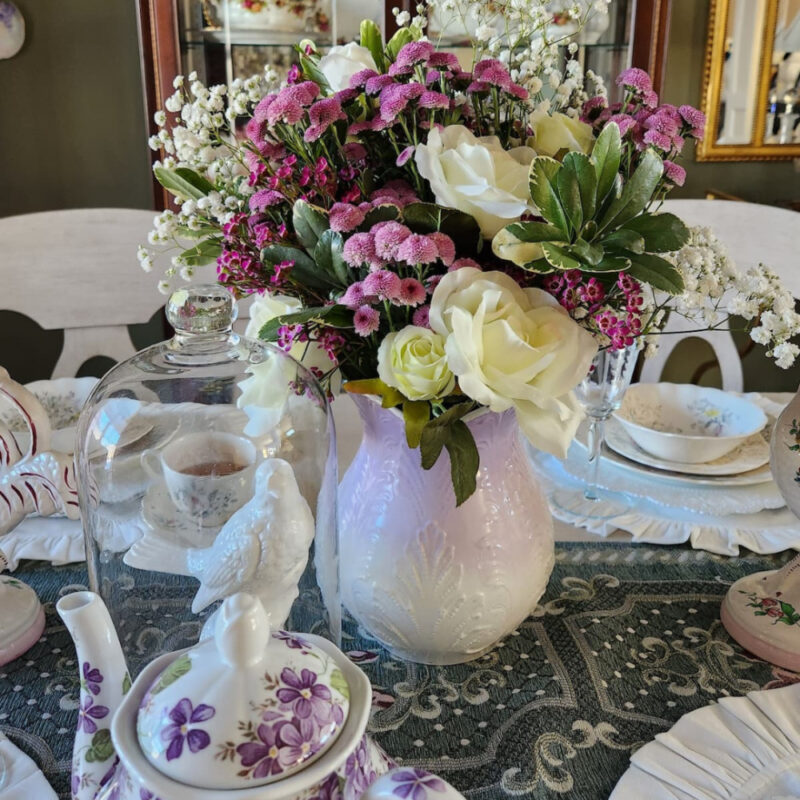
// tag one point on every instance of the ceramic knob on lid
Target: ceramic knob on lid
(244, 708)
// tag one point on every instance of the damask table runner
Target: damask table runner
(626, 641)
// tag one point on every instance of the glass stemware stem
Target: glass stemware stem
(596, 434)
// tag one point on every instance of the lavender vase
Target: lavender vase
(436, 583)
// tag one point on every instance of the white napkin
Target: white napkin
(55, 539)
(23, 779)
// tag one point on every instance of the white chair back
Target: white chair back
(753, 234)
(77, 269)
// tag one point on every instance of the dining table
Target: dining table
(626, 640)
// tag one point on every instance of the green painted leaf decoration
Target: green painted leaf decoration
(126, 684)
(339, 682)
(101, 747)
(606, 157)
(177, 669)
(544, 192)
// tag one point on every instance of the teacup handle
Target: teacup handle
(151, 463)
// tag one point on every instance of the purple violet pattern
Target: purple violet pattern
(92, 677)
(299, 739)
(264, 754)
(304, 696)
(182, 716)
(414, 784)
(291, 640)
(88, 713)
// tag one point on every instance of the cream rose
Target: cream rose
(554, 132)
(506, 246)
(477, 176)
(343, 61)
(513, 347)
(413, 361)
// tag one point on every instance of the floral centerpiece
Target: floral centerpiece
(447, 237)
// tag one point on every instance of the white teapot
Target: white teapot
(248, 714)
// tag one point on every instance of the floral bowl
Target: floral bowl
(691, 424)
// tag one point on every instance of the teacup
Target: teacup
(208, 475)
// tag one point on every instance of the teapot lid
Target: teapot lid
(244, 708)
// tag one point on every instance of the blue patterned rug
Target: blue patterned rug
(627, 639)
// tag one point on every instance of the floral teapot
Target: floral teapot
(248, 714)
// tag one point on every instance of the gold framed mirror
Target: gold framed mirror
(751, 81)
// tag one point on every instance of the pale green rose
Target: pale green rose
(413, 361)
(554, 132)
(477, 176)
(516, 348)
(506, 246)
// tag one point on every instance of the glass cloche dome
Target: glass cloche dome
(207, 466)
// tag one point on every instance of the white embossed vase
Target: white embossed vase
(436, 583)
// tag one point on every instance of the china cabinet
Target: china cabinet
(226, 39)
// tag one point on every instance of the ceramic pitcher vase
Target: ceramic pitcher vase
(433, 582)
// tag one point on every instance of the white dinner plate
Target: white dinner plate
(760, 475)
(750, 455)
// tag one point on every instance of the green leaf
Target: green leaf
(560, 257)
(372, 39)
(655, 271)
(333, 316)
(101, 747)
(304, 270)
(313, 72)
(464, 460)
(339, 682)
(435, 433)
(185, 232)
(415, 415)
(383, 213)
(177, 669)
(587, 181)
(390, 397)
(606, 156)
(428, 217)
(588, 253)
(636, 193)
(205, 252)
(183, 183)
(570, 196)
(309, 224)
(535, 232)
(328, 256)
(624, 239)
(662, 233)
(398, 42)
(609, 263)
(541, 266)
(544, 193)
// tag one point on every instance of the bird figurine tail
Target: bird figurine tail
(154, 553)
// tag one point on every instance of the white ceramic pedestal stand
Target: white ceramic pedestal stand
(21, 616)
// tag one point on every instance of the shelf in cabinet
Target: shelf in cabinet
(255, 38)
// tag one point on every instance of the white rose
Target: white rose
(477, 176)
(506, 246)
(554, 132)
(343, 61)
(513, 347)
(413, 361)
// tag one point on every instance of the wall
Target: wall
(72, 129)
(757, 181)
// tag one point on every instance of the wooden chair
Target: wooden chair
(77, 270)
(753, 234)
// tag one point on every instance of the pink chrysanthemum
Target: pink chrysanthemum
(417, 249)
(411, 293)
(636, 79)
(359, 127)
(445, 247)
(674, 173)
(405, 155)
(266, 198)
(421, 317)
(623, 122)
(359, 80)
(397, 70)
(254, 130)
(520, 92)
(443, 59)
(658, 140)
(284, 109)
(460, 263)
(366, 320)
(383, 283)
(305, 93)
(354, 296)
(353, 151)
(345, 217)
(414, 53)
(322, 115)
(696, 119)
(434, 100)
(664, 122)
(388, 237)
(378, 83)
(592, 107)
(490, 70)
(260, 111)
(476, 87)
(650, 99)
(359, 249)
(395, 98)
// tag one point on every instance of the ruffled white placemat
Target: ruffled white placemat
(741, 748)
(20, 778)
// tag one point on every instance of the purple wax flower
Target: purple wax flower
(92, 678)
(88, 713)
(303, 695)
(414, 784)
(264, 754)
(182, 716)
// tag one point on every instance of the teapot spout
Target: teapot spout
(104, 681)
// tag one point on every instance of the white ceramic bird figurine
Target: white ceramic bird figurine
(262, 549)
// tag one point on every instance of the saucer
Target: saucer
(750, 455)
(160, 513)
